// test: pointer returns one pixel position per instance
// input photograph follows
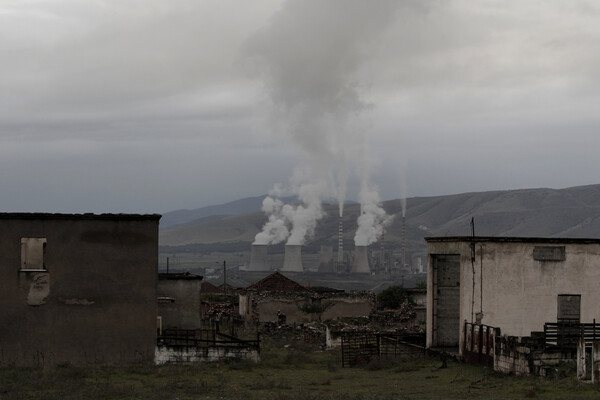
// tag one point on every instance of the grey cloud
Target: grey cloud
(100, 97)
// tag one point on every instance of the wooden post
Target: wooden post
(581, 359)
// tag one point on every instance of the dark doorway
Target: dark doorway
(446, 300)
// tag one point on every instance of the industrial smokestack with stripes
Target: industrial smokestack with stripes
(292, 260)
(340, 254)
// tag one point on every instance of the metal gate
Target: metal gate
(359, 349)
(478, 344)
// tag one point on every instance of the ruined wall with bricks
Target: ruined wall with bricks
(527, 356)
(77, 289)
(267, 306)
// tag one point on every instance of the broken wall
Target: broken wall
(527, 356)
(267, 306)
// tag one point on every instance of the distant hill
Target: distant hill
(571, 212)
(237, 207)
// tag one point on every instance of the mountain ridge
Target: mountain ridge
(539, 212)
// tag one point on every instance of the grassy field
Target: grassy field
(287, 373)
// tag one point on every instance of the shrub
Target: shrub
(392, 297)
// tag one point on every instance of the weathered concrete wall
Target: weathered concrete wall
(514, 291)
(268, 308)
(192, 355)
(348, 306)
(184, 311)
(96, 301)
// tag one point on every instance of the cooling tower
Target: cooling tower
(292, 261)
(258, 258)
(361, 261)
(326, 261)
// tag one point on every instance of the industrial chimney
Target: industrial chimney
(258, 258)
(340, 254)
(326, 261)
(403, 239)
(361, 261)
(292, 260)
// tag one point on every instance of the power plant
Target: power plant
(361, 261)
(258, 258)
(292, 260)
(389, 256)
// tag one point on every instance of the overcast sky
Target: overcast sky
(152, 106)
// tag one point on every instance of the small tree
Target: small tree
(315, 306)
(392, 297)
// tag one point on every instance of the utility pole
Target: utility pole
(225, 277)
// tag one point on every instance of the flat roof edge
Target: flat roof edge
(501, 239)
(86, 216)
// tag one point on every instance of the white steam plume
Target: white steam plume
(310, 54)
(275, 230)
(403, 188)
(372, 219)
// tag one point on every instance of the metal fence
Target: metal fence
(173, 337)
(566, 335)
(361, 348)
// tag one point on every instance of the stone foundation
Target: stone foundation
(192, 355)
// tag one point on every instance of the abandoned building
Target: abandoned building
(513, 285)
(278, 299)
(77, 288)
(179, 303)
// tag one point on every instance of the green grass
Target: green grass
(298, 372)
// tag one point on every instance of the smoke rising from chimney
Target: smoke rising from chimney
(309, 56)
(403, 188)
(372, 219)
(275, 230)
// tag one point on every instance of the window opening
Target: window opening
(569, 308)
(33, 254)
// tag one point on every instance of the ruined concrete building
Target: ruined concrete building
(77, 288)
(275, 296)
